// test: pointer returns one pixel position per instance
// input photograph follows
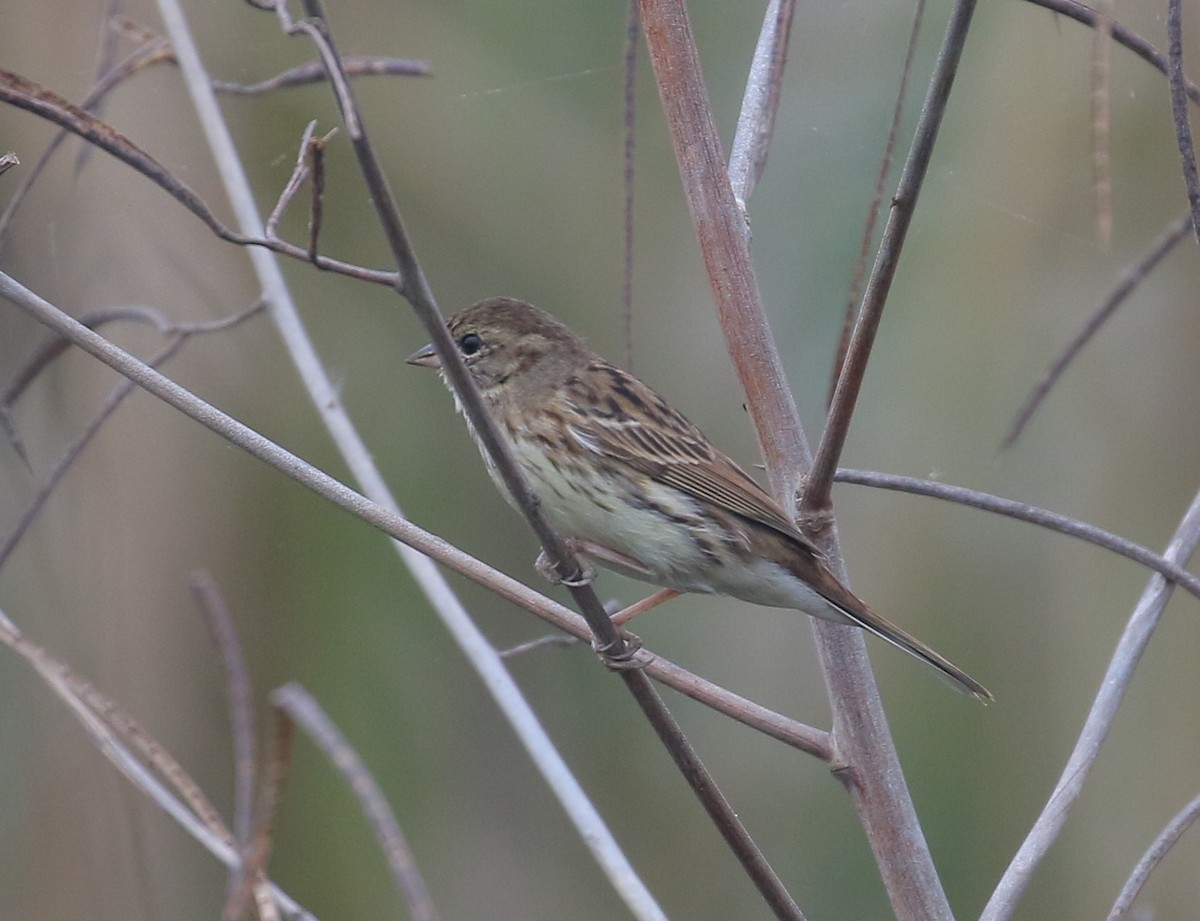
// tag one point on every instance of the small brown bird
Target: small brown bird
(636, 487)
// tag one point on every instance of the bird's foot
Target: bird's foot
(621, 654)
(585, 574)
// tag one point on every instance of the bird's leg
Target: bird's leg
(624, 616)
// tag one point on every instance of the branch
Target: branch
(1179, 110)
(301, 707)
(760, 103)
(1124, 287)
(111, 730)
(25, 94)
(1167, 839)
(845, 395)
(1030, 513)
(1115, 683)
(1089, 17)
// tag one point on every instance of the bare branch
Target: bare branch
(110, 740)
(1099, 720)
(1030, 513)
(292, 186)
(760, 103)
(314, 72)
(864, 751)
(1141, 47)
(885, 166)
(845, 396)
(633, 33)
(25, 94)
(294, 703)
(1179, 110)
(1126, 284)
(219, 621)
(1167, 839)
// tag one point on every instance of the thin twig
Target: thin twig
(1084, 14)
(313, 72)
(1167, 839)
(760, 102)
(81, 698)
(633, 32)
(1126, 284)
(1179, 110)
(1116, 681)
(25, 94)
(178, 334)
(292, 186)
(1031, 513)
(316, 162)
(885, 167)
(219, 621)
(816, 494)
(293, 702)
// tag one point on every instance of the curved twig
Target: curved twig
(298, 705)
(845, 394)
(1113, 686)
(25, 94)
(1084, 14)
(1030, 513)
(1125, 286)
(1179, 824)
(885, 165)
(1179, 110)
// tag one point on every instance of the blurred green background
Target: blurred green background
(507, 165)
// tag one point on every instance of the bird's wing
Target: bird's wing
(637, 427)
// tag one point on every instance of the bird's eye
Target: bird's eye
(470, 344)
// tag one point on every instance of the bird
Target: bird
(633, 486)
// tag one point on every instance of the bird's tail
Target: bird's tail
(862, 616)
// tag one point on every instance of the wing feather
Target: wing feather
(639, 428)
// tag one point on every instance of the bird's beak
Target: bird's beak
(424, 357)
